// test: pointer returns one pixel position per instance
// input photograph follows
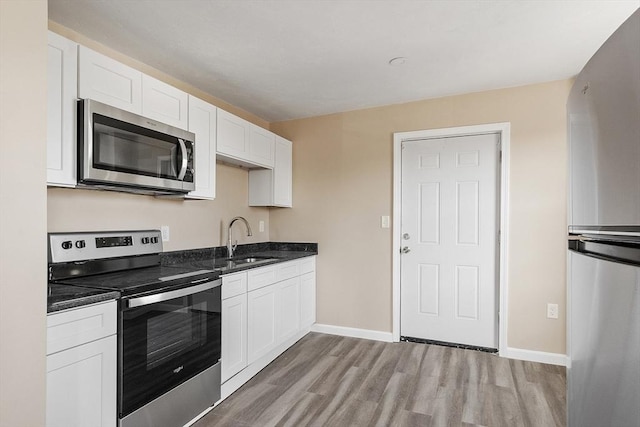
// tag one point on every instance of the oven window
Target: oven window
(124, 147)
(166, 343)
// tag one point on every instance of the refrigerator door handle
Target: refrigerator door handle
(617, 252)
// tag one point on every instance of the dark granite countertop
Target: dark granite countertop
(264, 254)
(63, 297)
(216, 257)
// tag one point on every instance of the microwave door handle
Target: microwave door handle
(183, 167)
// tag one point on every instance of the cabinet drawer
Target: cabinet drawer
(307, 265)
(234, 284)
(261, 277)
(287, 270)
(78, 326)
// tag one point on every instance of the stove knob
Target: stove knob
(154, 240)
(145, 240)
(80, 244)
(67, 244)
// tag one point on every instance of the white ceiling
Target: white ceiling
(285, 59)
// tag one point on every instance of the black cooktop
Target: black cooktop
(140, 281)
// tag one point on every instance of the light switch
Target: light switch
(384, 221)
(261, 226)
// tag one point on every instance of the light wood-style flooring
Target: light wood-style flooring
(326, 380)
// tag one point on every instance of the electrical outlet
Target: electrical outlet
(552, 311)
(164, 230)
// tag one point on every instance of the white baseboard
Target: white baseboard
(511, 353)
(352, 332)
(536, 356)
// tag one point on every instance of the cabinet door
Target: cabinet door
(282, 173)
(164, 103)
(261, 306)
(307, 299)
(62, 91)
(261, 146)
(109, 81)
(81, 385)
(234, 335)
(287, 309)
(202, 122)
(232, 136)
(272, 187)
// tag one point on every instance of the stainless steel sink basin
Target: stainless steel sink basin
(230, 263)
(251, 260)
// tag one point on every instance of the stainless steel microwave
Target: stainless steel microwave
(124, 151)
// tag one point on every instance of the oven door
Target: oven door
(165, 340)
(121, 148)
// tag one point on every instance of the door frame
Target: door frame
(504, 130)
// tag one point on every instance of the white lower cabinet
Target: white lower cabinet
(307, 299)
(81, 367)
(81, 385)
(234, 324)
(307, 292)
(287, 308)
(279, 308)
(234, 335)
(262, 321)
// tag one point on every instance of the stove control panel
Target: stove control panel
(69, 247)
(109, 242)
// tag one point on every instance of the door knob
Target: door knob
(405, 250)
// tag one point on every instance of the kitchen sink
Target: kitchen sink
(251, 260)
(230, 263)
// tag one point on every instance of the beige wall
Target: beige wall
(192, 223)
(343, 167)
(23, 249)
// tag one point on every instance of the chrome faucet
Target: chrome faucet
(230, 246)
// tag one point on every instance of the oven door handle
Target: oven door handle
(151, 299)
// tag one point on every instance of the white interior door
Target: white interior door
(450, 223)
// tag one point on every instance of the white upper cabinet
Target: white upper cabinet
(243, 143)
(202, 122)
(233, 137)
(273, 187)
(164, 103)
(62, 92)
(109, 81)
(261, 143)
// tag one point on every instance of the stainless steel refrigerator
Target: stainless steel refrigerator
(603, 376)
